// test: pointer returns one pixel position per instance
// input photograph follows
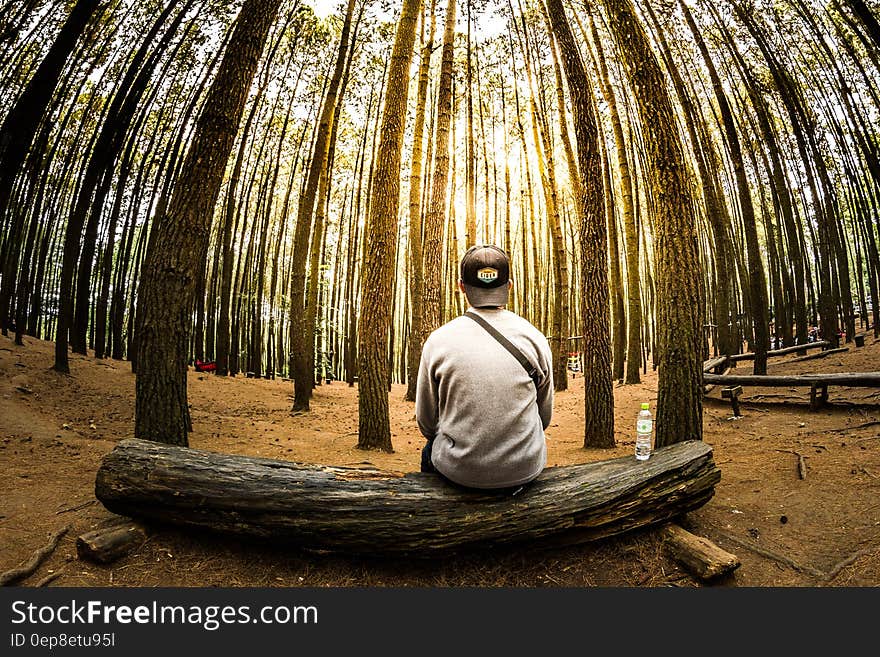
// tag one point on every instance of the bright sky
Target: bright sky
(323, 8)
(489, 23)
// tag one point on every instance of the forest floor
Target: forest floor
(823, 530)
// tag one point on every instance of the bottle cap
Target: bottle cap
(645, 406)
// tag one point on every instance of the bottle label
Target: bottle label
(644, 426)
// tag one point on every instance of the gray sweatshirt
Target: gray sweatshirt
(486, 416)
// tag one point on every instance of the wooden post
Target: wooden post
(732, 393)
(818, 395)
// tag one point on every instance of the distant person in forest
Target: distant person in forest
(484, 394)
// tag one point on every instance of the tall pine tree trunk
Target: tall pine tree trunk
(181, 235)
(598, 393)
(679, 289)
(416, 276)
(374, 430)
(630, 231)
(436, 214)
(756, 278)
(303, 378)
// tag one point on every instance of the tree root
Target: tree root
(11, 576)
(835, 570)
(781, 558)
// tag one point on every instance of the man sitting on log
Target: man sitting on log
(484, 394)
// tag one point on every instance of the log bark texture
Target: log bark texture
(699, 555)
(347, 510)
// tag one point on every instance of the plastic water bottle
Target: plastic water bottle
(644, 427)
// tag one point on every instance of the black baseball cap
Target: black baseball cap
(485, 273)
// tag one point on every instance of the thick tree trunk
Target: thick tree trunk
(179, 243)
(599, 395)
(365, 511)
(679, 286)
(715, 207)
(377, 277)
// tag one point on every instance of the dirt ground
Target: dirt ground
(823, 530)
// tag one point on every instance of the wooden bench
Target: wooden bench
(715, 365)
(818, 383)
(799, 349)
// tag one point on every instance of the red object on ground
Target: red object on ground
(206, 366)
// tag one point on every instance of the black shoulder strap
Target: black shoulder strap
(530, 369)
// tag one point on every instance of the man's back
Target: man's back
(485, 414)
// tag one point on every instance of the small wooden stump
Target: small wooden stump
(107, 544)
(732, 393)
(699, 555)
(860, 340)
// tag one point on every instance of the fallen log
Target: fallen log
(699, 555)
(345, 510)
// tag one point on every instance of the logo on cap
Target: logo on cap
(487, 274)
